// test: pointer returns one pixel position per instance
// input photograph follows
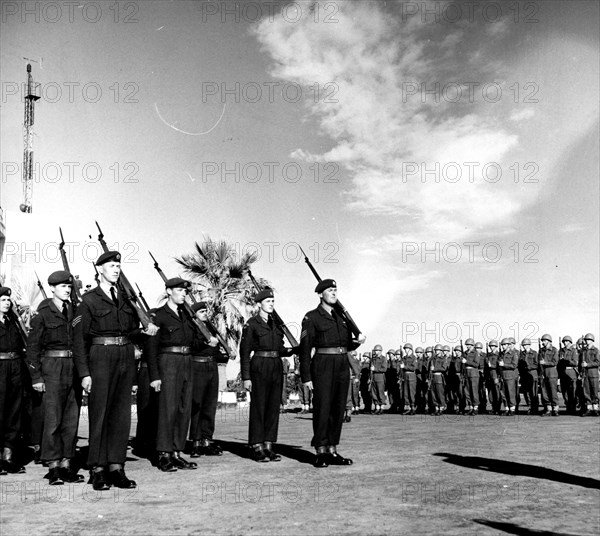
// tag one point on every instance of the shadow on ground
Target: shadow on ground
(519, 469)
(512, 528)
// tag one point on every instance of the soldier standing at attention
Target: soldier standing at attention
(421, 374)
(508, 363)
(548, 359)
(365, 382)
(327, 373)
(50, 363)
(11, 386)
(378, 367)
(104, 355)
(569, 361)
(492, 377)
(170, 368)
(205, 392)
(391, 381)
(528, 367)
(438, 365)
(262, 339)
(409, 366)
(471, 361)
(589, 363)
(353, 403)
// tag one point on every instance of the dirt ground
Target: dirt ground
(459, 475)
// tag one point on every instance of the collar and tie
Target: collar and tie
(65, 310)
(113, 295)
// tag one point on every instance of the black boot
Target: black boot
(337, 459)
(258, 453)
(196, 450)
(268, 449)
(322, 458)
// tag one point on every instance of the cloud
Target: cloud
(398, 145)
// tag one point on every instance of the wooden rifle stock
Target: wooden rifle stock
(340, 308)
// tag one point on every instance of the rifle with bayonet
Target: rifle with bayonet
(126, 288)
(202, 326)
(340, 308)
(276, 318)
(75, 293)
(142, 297)
(96, 275)
(39, 284)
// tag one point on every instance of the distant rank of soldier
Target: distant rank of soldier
(548, 360)
(590, 361)
(50, 363)
(379, 365)
(528, 371)
(409, 367)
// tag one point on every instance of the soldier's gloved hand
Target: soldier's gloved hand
(39, 387)
(86, 383)
(501, 363)
(584, 364)
(156, 385)
(213, 341)
(134, 390)
(248, 385)
(309, 385)
(463, 360)
(361, 338)
(401, 365)
(432, 367)
(541, 362)
(372, 368)
(151, 330)
(356, 380)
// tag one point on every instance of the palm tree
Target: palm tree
(221, 279)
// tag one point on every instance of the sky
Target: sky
(438, 160)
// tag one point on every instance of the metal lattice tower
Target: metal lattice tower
(32, 93)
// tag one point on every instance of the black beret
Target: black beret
(200, 305)
(5, 291)
(177, 282)
(109, 256)
(60, 277)
(263, 295)
(324, 285)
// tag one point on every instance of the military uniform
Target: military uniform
(147, 407)
(170, 361)
(568, 358)
(50, 360)
(411, 364)
(379, 366)
(508, 363)
(330, 336)
(454, 380)
(263, 341)
(493, 379)
(549, 377)
(353, 403)
(590, 375)
(205, 393)
(528, 370)
(438, 366)
(103, 331)
(472, 380)
(11, 388)
(365, 383)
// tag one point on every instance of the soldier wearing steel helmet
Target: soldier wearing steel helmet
(392, 377)
(528, 371)
(568, 362)
(427, 385)
(352, 403)
(454, 381)
(590, 361)
(492, 377)
(482, 386)
(548, 359)
(421, 374)
(508, 363)
(437, 368)
(471, 362)
(409, 366)
(365, 382)
(378, 367)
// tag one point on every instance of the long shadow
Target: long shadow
(294, 452)
(519, 469)
(512, 528)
